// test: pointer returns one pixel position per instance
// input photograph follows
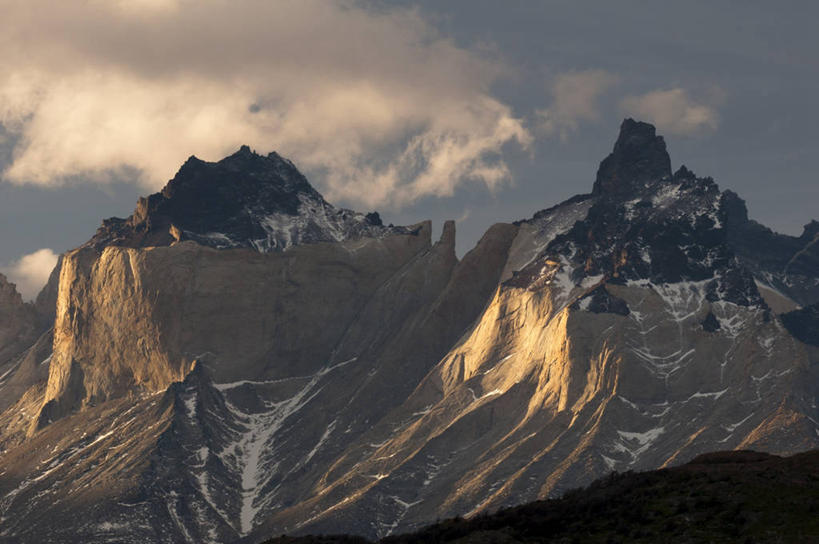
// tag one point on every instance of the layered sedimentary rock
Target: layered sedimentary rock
(239, 358)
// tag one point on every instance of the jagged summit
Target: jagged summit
(684, 173)
(8, 292)
(271, 181)
(641, 222)
(639, 156)
(243, 200)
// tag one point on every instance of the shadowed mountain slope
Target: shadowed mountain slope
(740, 496)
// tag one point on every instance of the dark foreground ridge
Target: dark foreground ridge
(737, 496)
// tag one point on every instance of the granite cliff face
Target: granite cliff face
(239, 358)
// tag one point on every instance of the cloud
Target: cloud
(672, 110)
(374, 104)
(575, 96)
(141, 7)
(31, 272)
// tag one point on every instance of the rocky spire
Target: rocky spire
(639, 156)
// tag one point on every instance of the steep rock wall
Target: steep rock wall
(544, 394)
(132, 320)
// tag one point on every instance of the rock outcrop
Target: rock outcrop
(244, 200)
(18, 324)
(639, 158)
(782, 263)
(20, 327)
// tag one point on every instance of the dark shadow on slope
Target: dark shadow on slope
(736, 496)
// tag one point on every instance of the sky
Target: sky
(474, 110)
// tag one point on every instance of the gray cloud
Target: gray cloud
(377, 100)
(672, 111)
(574, 100)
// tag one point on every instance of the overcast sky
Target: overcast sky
(479, 111)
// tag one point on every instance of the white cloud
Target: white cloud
(378, 102)
(574, 99)
(672, 111)
(31, 272)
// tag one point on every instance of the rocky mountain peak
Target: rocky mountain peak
(639, 157)
(684, 173)
(810, 230)
(8, 293)
(644, 224)
(243, 200)
(203, 194)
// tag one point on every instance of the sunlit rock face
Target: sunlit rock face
(251, 315)
(626, 334)
(217, 374)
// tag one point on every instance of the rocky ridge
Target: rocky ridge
(307, 379)
(244, 200)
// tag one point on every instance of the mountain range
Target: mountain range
(240, 358)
